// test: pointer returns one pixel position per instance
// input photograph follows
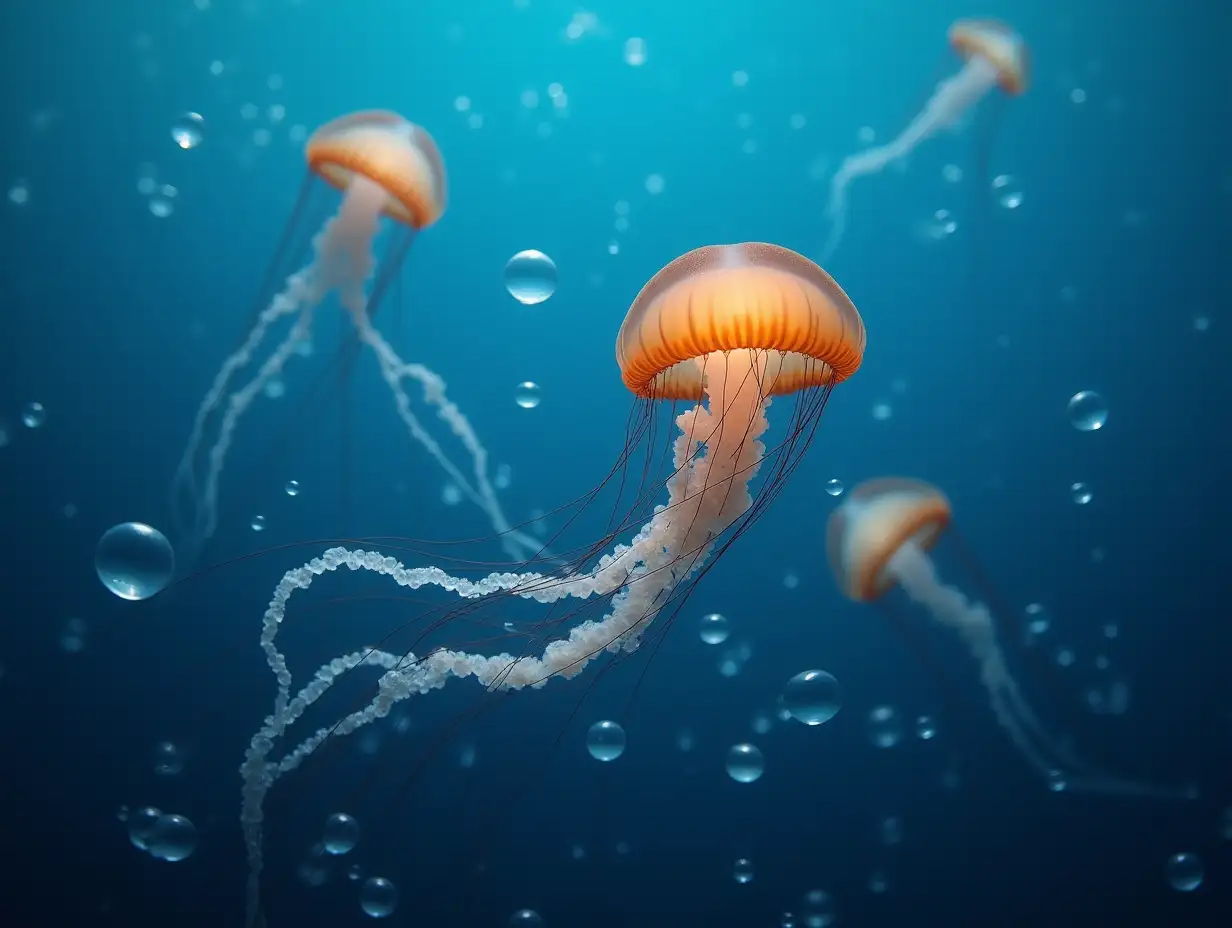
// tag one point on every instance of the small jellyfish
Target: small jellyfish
(881, 538)
(389, 172)
(994, 56)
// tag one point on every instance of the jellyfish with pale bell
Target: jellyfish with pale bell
(388, 170)
(994, 57)
(722, 330)
(882, 537)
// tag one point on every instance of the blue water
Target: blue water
(131, 268)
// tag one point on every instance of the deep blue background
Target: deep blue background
(116, 319)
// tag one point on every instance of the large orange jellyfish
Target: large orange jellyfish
(880, 538)
(385, 167)
(724, 329)
(994, 56)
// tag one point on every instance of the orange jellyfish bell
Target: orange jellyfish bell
(394, 153)
(751, 296)
(876, 520)
(998, 44)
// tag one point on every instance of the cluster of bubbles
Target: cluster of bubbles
(164, 836)
(160, 197)
(530, 278)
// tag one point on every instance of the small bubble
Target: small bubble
(835, 487)
(188, 131)
(33, 415)
(654, 184)
(1088, 411)
(635, 52)
(1080, 493)
(257, 524)
(292, 488)
(740, 78)
(527, 395)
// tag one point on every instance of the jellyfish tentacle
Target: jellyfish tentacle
(299, 294)
(952, 98)
(354, 265)
(707, 494)
(915, 572)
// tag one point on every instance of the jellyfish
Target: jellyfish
(723, 329)
(880, 538)
(994, 56)
(386, 169)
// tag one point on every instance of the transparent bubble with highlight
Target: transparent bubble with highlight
(714, 628)
(378, 897)
(817, 909)
(188, 130)
(141, 826)
(168, 759)
(33, 415)
(1185, 872)
(885, 728)
(812, 697)
(1088, 411)
(173, 839)
(605, 740)
(530, 277)
(340, 835)
(525, 918)
(745, 763)
(134, 560)
(527, 394)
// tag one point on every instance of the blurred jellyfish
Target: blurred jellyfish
(994, 56)
(722, 330)
(386, 168)
(880, 538)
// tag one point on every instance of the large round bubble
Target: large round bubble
(745, 763)
(1087, 411)
(605, 741)
(378, 897)
(134, 560)
(341, 834)
(530, 277)
(812, 697)
(174, 838)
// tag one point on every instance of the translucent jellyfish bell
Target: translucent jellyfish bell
(386, 168)
(880, 538)
(993, 55)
